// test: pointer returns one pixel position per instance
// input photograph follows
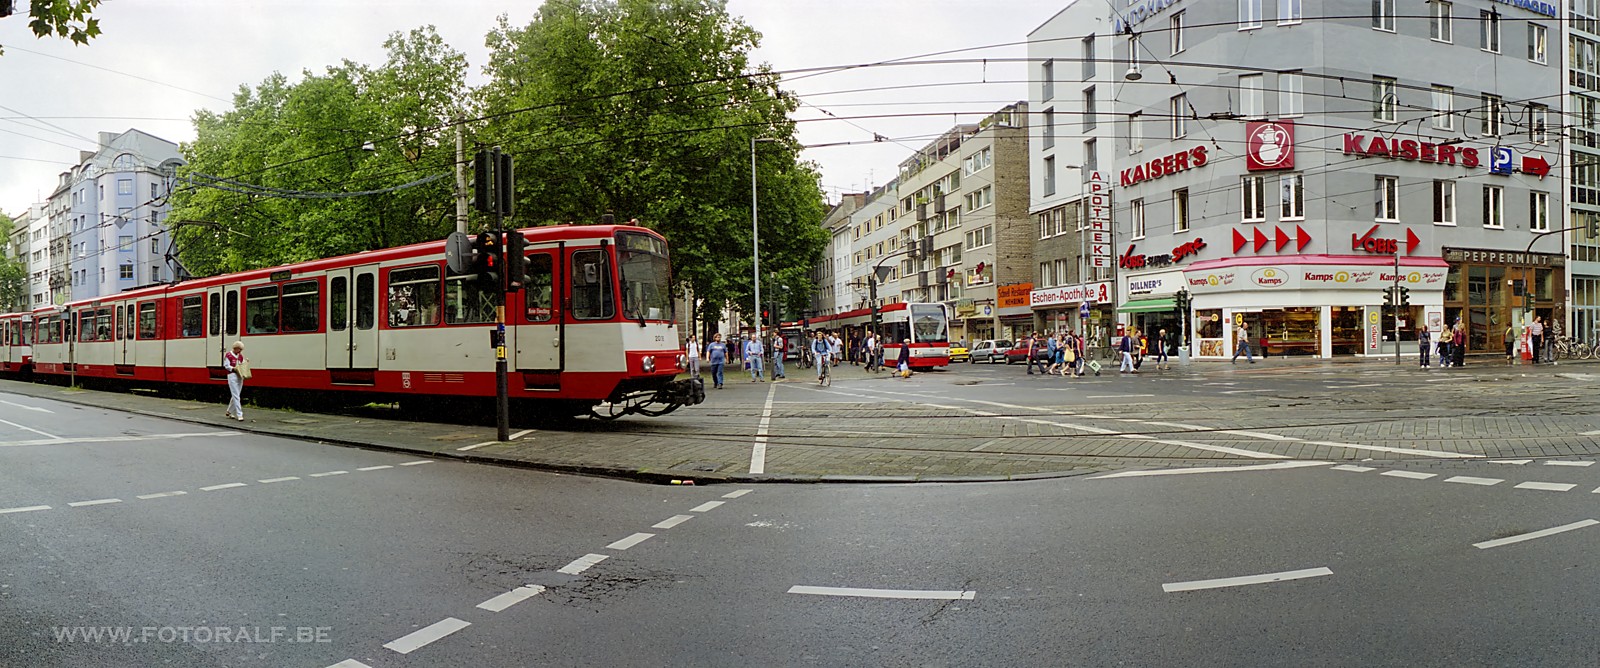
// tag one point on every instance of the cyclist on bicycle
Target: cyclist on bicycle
(819, 349)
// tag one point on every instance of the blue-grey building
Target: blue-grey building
(108, 217)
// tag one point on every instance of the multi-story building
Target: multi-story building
(1582, 164)
(18, 249)
(966, 193)
(833, 269)
(871, 240)
(38, 231)
(1403, 146)
(1071, 93)
(108, 217)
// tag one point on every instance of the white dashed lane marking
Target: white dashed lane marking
(1414, 475)
(884, 593)
(24, 509)
(737, 493)
(380, 467)
(1212, 469)
(160, 495)
(1245, 580)
(1518, 462)
(673, 521)
(1352, 467)
(1469, 480)
(349, 663)
(510, 598)
(709, 505)
(329, 473)
(1547, 486)
(630, 541)
(96, 502)
(283, 479)
(1536, 534)
(582, 563)
(417, 463)
(422, 637)
(230, 485)
(1558, 462)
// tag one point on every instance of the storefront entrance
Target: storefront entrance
(1489, 291)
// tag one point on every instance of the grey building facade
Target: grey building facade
(1282, 163)
(109, 217)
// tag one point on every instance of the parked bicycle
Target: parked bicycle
(1568, 349)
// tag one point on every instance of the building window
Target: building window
(1383, 15)
(1386, 199)
(1536, 43)
(980, 237)
(1180, 210)
(1489, 30)
(1136, 217)
(1439, 23)
(1291, 86)
(125, 272)
(152, 191)
(1050, 176)
(1494, 207)
(1049, 128)
(1175, 29)
(1538, 212)
(1538, 116)
(125, 243)
(1292, 199)
(1491, 115)
(1251, 104)
(979, 198)
(1091, 158)
(1088, 109)
(1047, 76)
(1444, 108)
(1088, 58)
(1253, 198)
(155, 273)
(124, 186)
(1176, 110)
(1288, 12)
(1383, 99)
(1135, 132)
(1249, 14)
(1444, 202)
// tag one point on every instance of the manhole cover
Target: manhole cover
(706, 467)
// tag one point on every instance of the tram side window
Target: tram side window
(591, 286)
(193, 316)
(414, 297)
(338, 303)
(366, 302)
(147, 321)
(300, 307)
(233, 312)
(261, 310)
(101, 330)
(128, 310)
(537, 292)
(216, 313)
(86, 330)
(120, 324)
(465, 303)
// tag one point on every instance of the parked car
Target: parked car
(958, 353)
(989, 350)
(1019, 352)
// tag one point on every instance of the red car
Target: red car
(1019, 352)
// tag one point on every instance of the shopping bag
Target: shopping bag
(243, 369)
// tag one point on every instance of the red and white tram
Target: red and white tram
(593, 325)
(926, 325)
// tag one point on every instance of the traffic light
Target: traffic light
(1405, 296)
(486, 260)
(482, 182)
(1388, 299)
(516, 260)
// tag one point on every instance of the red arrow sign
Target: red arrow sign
(1261, 240)
(1301, 238)
(1412, 240)
(1279, 239)
(1534, 165)
(1238, 241)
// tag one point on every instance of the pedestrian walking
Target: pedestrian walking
(904, 364)
(777, 356)
(692, 351)
(1052, 349)
(1536, 330)
(1443, 346)
(1458, 344)
(835, 348)
(868, 350)
(1424, 345)
(1510, 341)
(1161, 350)
(717, 355)
(753, 351)
(1125, 348)
(1244, 345)
(238, 369)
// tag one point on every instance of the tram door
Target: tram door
(352, 341)
(538, 342)
(216, 341)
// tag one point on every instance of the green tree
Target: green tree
(13, 271)
(69, 19)
(647, 108)
(353, 128)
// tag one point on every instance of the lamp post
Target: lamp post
(755, 232)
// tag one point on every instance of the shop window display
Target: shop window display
(1208, 332)
(1291, 331)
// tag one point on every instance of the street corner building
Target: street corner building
(1334, 176)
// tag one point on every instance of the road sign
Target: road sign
(1083, 310)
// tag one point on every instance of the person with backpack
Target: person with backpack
(819, 351)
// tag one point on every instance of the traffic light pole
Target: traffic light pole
(1397, 306)
(494, 187)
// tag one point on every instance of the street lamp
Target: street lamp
(755, 231)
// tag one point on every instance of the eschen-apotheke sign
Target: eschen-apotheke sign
(1470, 255)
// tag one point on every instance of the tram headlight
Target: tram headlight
(683, 361)
(649, 363)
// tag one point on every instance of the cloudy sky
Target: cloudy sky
(160, 60)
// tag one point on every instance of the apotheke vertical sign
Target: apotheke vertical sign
(1099, 220)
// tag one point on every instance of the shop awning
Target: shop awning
(1149, 305)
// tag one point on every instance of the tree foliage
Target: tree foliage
(69, 19)
(352, 128)
(13, 271)
(647, 108)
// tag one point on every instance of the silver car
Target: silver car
(989, 350)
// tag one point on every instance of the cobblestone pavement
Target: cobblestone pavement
(986, 423)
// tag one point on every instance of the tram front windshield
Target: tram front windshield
(646, 277)
(928, 324)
